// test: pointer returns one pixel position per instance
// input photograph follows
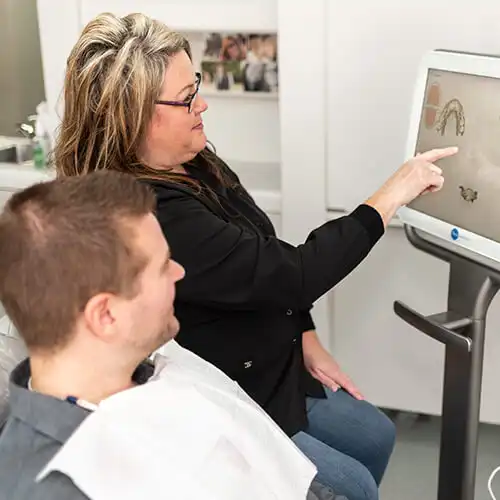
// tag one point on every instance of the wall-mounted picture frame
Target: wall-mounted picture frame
(240, 63)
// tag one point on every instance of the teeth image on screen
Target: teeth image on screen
(452, 108)
(463, 110)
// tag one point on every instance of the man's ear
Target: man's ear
(99, 317)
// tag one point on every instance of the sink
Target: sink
(16, 153)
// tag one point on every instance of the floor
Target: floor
(413, 471)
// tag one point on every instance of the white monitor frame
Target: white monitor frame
(465, 63)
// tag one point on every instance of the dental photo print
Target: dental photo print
(240, 62)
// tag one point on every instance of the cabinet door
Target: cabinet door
(395, 365)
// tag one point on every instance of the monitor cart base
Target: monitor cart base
(461, 329)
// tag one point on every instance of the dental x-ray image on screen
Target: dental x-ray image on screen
(463, 110)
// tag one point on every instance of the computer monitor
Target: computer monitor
(457, 103)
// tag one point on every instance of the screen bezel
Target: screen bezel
(472, 64)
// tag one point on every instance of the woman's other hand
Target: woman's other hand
(417, 176)
(321, 365)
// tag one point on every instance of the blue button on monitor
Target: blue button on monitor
(454, 234)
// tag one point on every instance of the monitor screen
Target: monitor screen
(463, 110)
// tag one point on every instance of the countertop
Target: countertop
(14, 177)
(263, 181)
(18, 176)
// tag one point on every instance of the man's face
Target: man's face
(149, 320)
(137, 326)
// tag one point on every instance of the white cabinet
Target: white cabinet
(4, 196)
(394, 364)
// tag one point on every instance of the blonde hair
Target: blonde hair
(114, 75)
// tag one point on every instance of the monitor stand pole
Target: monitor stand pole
(461, 328)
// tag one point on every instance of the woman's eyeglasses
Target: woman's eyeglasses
(188, 102)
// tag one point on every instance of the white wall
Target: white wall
(21, 82)
(374, 49)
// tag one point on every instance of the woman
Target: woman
(132, 104)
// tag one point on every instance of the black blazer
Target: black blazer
(244, 302)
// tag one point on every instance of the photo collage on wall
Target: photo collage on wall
(240, 63)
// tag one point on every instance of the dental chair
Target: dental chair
(12, 352)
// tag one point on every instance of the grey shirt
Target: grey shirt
(37, 427)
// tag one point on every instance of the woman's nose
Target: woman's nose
(200, 104)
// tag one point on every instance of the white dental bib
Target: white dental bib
(188, 433)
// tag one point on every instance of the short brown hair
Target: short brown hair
(62, 242)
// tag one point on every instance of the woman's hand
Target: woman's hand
(321, 365)
(417, 176)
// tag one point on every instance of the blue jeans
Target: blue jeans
(349, 441)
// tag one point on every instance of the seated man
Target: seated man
(87, 280)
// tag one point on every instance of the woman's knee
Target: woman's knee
(352, 426)
(375, 429)
(355, 428)
(383, 433)
(380, 439)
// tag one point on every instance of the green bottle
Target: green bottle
(39, 157)
(40, 144)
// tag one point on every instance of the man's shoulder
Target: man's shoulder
(23, 454)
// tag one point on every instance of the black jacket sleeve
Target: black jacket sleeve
(229, 267)
(306, 321)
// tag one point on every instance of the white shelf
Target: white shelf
(231, 94)
(264, 176)
(194, 15)
(268, 201)
(262, 180)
